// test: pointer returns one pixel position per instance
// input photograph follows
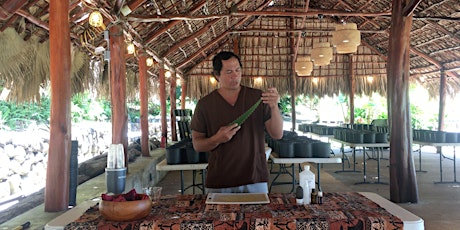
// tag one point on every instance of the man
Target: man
(237, 161)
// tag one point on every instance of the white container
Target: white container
(307, 182)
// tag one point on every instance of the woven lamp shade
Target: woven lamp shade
(321, 54)
(346, 48)
(345, 37)
(303, 73)
(303, 65)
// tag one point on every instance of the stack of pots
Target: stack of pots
(431, 136)
(317, 129)
(360, 136)
(293, 146)
(183, 153)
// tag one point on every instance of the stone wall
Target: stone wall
(24, 155)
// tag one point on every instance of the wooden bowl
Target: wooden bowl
(125, 210)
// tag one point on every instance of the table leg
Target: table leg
(420, 159)
(455, 168)
(283, 170)
(440, 170)
(343, 157)
(318, 165)
(182, 182)
(203, 178)
(378, 168)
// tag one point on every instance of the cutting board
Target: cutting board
(237, 198)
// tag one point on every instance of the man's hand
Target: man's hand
(203, 144)
(226, 133)
(271, 97)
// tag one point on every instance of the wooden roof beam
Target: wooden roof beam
(10, 7)
(409, 9)
(172, 17)
(196, 34)
(172, 24)
(241, 22)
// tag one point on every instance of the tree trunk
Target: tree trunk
(403, 181)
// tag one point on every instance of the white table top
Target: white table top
(367, 145)
(163, 166)
(295, 160)
(410, 220)
(436, 144)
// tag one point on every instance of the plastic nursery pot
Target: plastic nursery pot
(302, 149)
(174, 154)
(286, 148)
(321, 149)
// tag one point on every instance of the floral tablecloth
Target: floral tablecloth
(349, 210)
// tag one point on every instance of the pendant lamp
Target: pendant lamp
(303, 66)
(321, 54)
(96, 19)
(346, 38)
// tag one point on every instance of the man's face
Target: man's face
(230, 75)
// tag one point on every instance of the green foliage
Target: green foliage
(83, 107)
(18, 116)
(285, 105)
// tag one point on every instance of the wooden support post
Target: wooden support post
(183, 94)
(442, 104)
(351, 79)
(293, 79)
(164, 126)
(58, 170)
(118, 88)
(172, 99)
(403, 181)
(442, 100)
(144, 94)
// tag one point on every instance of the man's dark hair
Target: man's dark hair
(217, 61)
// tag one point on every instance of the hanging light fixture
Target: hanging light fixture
(130, 48)
(346, 38)
(149, 62)
(315, 80)
(321, 54)
(96, 19)
(303, 66)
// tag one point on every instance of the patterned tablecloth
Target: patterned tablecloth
(348, 210)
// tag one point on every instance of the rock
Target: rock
(9, 150)
(4, 189)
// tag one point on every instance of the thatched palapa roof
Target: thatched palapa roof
(269, 35)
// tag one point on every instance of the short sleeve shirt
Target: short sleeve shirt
(241, 160)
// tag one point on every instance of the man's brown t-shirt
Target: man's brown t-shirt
(242, 160)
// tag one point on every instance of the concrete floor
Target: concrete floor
(439, 203)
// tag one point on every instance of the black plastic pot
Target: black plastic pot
(303, 149)
(286, 148)
(192, 157)
(451, 137)
(357, 137)
(369, 137)
(381, 137)
(440, 137)
(174, 154)
(321, 149)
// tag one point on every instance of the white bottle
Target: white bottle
(307, 182)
